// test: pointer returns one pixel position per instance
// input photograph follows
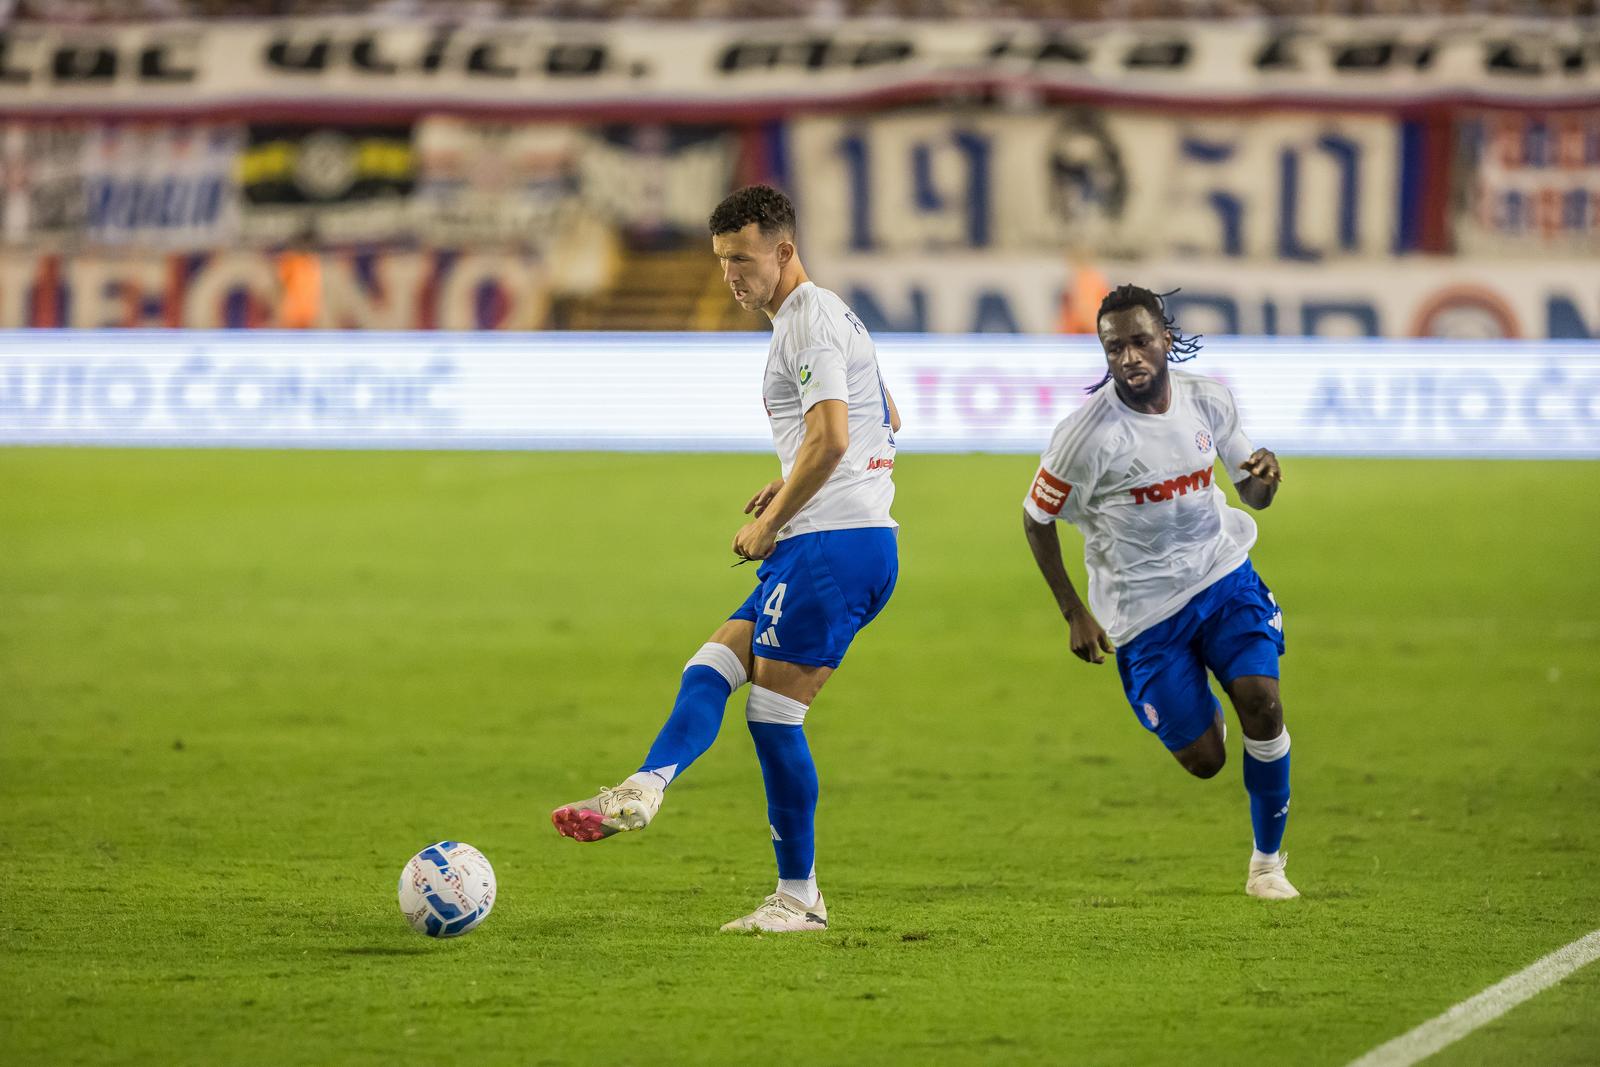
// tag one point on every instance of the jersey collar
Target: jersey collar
(788, 301)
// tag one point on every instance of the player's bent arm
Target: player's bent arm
(827, 438)
(1087, 637)
(894, 412)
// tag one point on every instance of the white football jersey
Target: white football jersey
(820, 351)
(1156, 527)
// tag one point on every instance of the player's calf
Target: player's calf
(710, 676)
(1266, 780)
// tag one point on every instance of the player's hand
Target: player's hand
(1088, 639)
(754, 540)
(759, 502)
(1263, 464)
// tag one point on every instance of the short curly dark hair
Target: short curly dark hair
(763, 205)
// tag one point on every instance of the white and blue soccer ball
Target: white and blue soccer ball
(447, 889)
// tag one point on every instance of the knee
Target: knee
(1205, 764)
(1260, 710)
(1263, 719)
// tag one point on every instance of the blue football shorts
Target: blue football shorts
(818, 590)
(1233, 627)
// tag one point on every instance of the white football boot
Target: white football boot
(630, 806)
(782, 914)
(1267, 880)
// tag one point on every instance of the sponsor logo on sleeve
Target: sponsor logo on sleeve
(1049, 492)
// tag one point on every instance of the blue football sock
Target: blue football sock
(1266, 779)
(791, 780)
(710, 676)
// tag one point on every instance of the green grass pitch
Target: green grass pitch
(238, 690)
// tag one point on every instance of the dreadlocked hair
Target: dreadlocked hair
(1125, 297)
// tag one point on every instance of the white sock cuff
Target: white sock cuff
(656, 777)
(1268, 751)
(722, 659)
(802, 889)
(766, 706)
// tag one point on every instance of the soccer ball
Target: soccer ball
(446, 889)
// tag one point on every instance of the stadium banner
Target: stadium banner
(1410, 297)
(445, 181)
(429, 289)
(540, 182)
(154, 185)
(1527, 183)
(376, 64)
(701, 392)
(1114, 182)
(327, 183)
(488, 289)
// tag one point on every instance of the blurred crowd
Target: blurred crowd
(84, 11)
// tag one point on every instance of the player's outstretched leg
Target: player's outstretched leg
(791, 780)
(1266, 779)
(709, 677)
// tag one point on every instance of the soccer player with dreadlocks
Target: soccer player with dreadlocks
(1168, 559)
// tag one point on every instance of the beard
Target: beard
(1146, 390)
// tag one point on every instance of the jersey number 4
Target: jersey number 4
(774, 604)
(774, 608)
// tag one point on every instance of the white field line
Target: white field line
(1461, 1020)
